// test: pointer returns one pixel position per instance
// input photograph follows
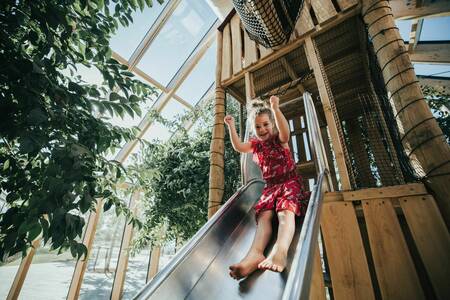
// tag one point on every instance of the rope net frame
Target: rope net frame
(269, 23)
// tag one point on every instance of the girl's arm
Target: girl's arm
(235, 140)
(280, 120)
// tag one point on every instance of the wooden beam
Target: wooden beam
(88, 241)
(216, 166)
(421, 136)
(236, 38)
(314, 63)
(153, 265)
(439, 83)
(347, 260)
(227, 65)
(432, 52)
(414, 35)
(394, 267)
(432, 239)
(122, 264)
(411, 189)
(406, 10)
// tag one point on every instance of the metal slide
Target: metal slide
(200, 269)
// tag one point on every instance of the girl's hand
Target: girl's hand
(229, 120)
(274, 102)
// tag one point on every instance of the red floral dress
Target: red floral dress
(284, 188)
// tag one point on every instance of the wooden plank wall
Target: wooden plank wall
(299, 148)
(388, 245)
(240, 52)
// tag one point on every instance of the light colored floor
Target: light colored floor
(51, 280)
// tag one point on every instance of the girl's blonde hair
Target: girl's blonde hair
(258, 107)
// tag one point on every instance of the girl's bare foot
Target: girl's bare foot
(246, 266)
(276, 261)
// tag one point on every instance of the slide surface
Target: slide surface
(200, 269)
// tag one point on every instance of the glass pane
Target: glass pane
(200, 79)
(432, 70)
(100, 271)
(157, 132)
(173, 109)
(404, 26)
(7, 273)
(435, 29)
(126, 39)
(137, 265)
(182, 32)
(49, 275)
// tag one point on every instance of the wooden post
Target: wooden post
(88, 241)
(216, 173)
(421, 136)
(154, 262)
(314, 63)
(122, 264)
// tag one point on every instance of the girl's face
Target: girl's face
(263, 127)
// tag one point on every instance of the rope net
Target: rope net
(269, 23)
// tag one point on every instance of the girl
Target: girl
(283, 193)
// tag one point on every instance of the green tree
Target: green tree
(51, 142)
(439, 102)
(175, 178)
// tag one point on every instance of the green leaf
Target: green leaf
(36, 116)
(107, 205)
(149, 2)
(114, 96)
(141, 4)
(81, 251)
(34, 231)
(6, 165)
(126, 73)
(86, 202)
(129, 110)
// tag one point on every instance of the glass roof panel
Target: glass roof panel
(435, 29)
(200, 79)
(157, 131)
(133, 34)
(182, 32)
(404, 26)
(173, 109)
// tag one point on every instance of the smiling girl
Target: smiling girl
(283, 194)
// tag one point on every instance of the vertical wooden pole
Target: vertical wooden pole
(314, 63)
(88, 241)
(21, 274)
(122, 264)
(154, 262)
(421, 136)
(216, 171)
